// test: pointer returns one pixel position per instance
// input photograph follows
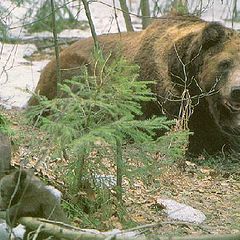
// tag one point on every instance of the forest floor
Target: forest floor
(211, 187)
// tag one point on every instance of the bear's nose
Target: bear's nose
(235, 93)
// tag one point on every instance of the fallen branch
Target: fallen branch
(68, 232)
(37, 40)
(62, 230)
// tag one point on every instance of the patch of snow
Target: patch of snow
(5, 231)
(17, 74)
(18, 232)
(181, 212)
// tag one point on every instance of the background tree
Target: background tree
(180, 6)
(145, 9)
(126, 15)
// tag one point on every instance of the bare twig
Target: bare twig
(54, 31)
(116, 16)
(88, 14)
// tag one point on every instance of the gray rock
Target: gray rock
(4, 231)
(105, 181)
(55, 192)
(7, 234)
(28, 52)
(18, 232)
(181, 212)
(5, 154)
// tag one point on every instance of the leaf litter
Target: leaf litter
(203, 188)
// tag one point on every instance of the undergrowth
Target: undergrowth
(96, 128)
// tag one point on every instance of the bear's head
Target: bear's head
(207, 61)
(219, 77)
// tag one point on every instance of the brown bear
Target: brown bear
(24, 195)
(178, 53)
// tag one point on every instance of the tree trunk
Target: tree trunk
(126, 15)
(88, 14)
(54, 31)
(144, 5)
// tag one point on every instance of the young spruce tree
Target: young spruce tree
(101, 111)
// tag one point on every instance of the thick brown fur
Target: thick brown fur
(24, 195)
(174, 51)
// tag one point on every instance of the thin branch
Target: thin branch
(88, 14)
(116, 16)
(54, 31)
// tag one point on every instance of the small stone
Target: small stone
(181, 212)
(4, 231)
(28, 52)
(55, 192)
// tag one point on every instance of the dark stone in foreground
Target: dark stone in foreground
(5, 154)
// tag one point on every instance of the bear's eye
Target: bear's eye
(225, 65)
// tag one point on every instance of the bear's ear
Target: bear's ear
(212, 34)
(20, 176)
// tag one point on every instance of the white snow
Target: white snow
(17, 74)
